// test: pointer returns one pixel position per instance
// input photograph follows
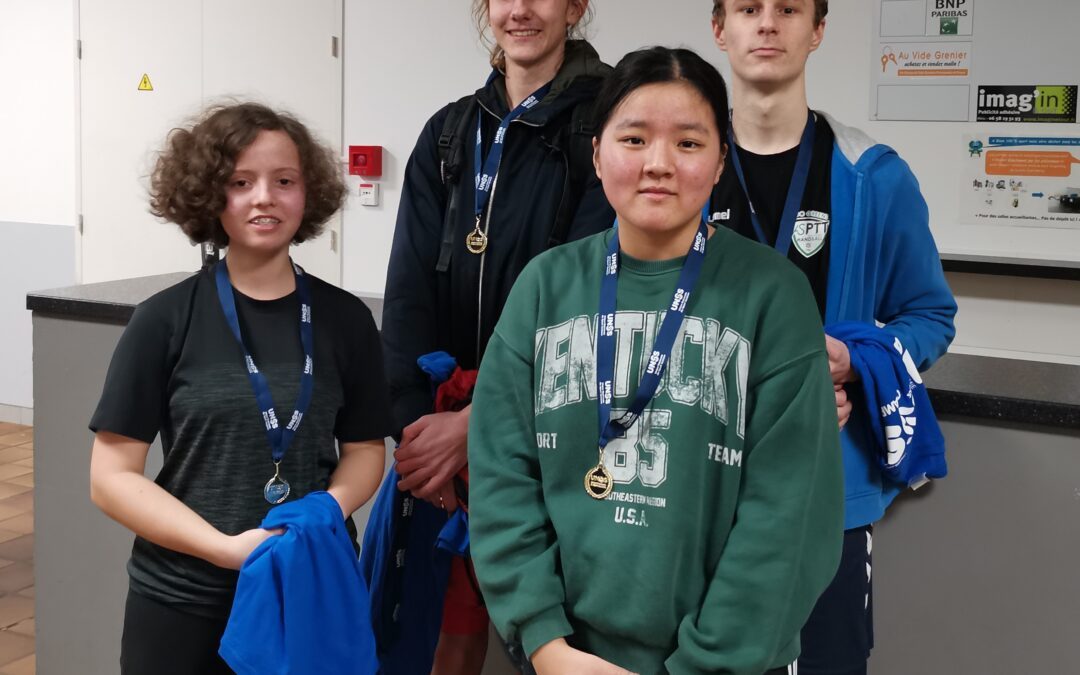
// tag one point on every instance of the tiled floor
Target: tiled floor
(16, 549)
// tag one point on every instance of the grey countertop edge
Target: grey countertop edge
(1009, 390)
(1005, 409)
(110, 301)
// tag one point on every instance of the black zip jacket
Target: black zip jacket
(456, 310)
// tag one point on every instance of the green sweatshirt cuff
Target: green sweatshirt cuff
(543, 628)
(698, 659)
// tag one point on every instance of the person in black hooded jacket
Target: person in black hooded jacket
(465, 229)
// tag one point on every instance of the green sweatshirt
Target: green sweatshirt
(725, 521)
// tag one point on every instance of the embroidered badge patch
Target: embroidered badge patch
(811, 227)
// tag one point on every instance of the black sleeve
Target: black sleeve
(132, 401)
(365, 414)
(410, 303)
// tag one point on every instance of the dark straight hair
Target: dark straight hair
(657, 65)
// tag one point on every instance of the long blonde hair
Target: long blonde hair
(498, 58)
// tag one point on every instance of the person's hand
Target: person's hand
(445, 498)
(432, 450)
(843, 405)
(839, 361)
(557, 657)
(236, 548)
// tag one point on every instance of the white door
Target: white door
(191, 54)
(122, 40)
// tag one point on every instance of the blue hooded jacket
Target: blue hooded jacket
(884, 269)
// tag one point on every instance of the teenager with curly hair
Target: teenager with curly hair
(253, 180)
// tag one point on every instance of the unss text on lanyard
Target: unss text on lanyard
(598, 480)
(277, 488)
(487, 170)
(795, 189)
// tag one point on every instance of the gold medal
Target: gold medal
(598, 481)
(476, 241)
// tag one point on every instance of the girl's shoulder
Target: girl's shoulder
(343, 308)
(172, 305)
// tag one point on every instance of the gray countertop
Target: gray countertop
(112, 301)
(1009, 390)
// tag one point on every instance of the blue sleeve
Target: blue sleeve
(410, 303)
(912, 299)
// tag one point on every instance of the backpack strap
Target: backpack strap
(451, 150)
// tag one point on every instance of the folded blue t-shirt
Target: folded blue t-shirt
(301, 603)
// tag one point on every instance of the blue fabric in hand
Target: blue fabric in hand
(301, 603)
(909, 439)
(438, 366)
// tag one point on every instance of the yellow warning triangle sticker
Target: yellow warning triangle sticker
(144, 83)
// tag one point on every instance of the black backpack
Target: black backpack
(573, 141)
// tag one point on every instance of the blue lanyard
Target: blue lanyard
(665, 339)
(795, 189)
(486, 170)
(280, 437)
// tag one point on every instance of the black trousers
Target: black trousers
(162, 640)
(839, 634)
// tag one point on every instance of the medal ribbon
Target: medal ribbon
(280, 437)
(486, 170)
(795, 189)
(665, 338)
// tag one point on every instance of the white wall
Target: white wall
(37, 177)
(428, 55)
(403, 61)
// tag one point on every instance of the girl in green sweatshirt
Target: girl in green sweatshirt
(655, 465)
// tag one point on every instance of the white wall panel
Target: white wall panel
(38, 257)
(403, 61)
(37, 118)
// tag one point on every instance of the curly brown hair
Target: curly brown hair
(497, 57)
(187, 186)
(821, 8)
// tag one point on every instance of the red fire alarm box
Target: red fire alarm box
(365, 160)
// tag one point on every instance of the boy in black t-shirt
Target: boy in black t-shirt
(203, 364)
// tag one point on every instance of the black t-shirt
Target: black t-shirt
(178, 371)
(768, 178)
